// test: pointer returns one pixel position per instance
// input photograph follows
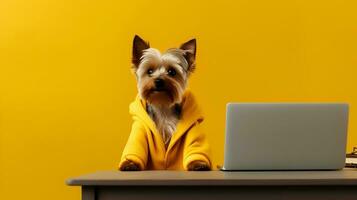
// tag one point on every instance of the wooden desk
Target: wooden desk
(109, 185)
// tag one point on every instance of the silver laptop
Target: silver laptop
(285, 136)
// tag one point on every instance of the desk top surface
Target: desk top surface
(216, 178)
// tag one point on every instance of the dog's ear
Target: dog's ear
(139, 45)
(190, 53)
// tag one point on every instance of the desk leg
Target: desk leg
(88, 193)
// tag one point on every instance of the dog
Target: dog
(161, 83)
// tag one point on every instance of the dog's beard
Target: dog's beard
(160, 98)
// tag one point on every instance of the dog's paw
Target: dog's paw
(129, 166)
(198, 166)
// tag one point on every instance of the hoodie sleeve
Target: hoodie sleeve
(196, 146)
(136, 148)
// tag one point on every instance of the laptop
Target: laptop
(285, 136)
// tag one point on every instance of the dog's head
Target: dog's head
(162, 77)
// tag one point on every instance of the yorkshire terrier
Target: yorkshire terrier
(161, 82)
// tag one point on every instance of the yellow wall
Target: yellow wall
(66, 85)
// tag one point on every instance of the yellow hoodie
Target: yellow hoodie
(146, 148)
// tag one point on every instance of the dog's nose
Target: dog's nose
(159, 83)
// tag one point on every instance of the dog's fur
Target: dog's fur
(161, 81)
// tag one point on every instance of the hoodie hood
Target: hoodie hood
(190, 114)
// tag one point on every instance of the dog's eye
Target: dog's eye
(171, 72)
(150, 71)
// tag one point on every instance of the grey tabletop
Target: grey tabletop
(217, 178)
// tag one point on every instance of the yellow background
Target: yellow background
(66, 83)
